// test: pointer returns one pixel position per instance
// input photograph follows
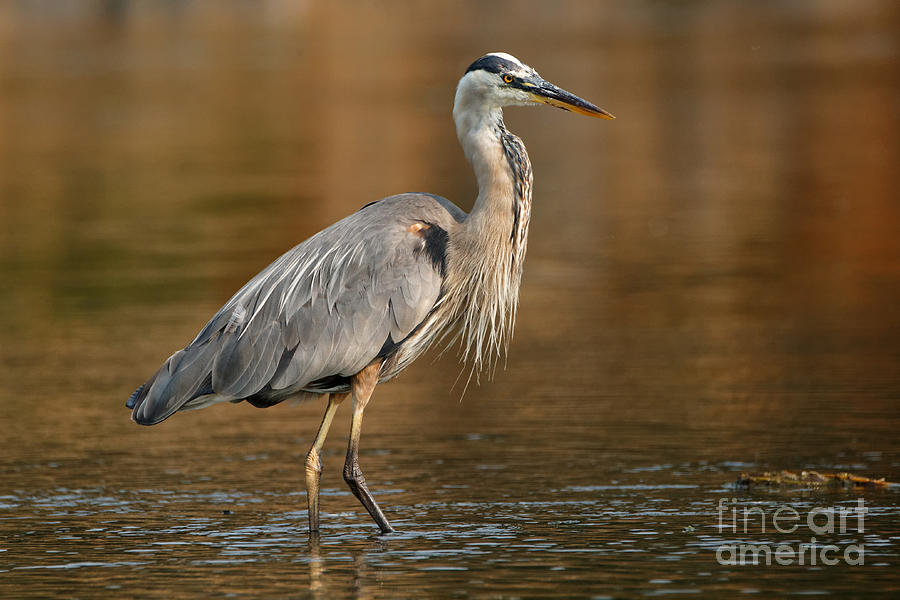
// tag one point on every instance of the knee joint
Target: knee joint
(353, 475)
(313, 464)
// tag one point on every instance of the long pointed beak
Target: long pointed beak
(547, 93)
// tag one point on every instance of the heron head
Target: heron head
(500, 79)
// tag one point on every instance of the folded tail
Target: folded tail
(185, 376)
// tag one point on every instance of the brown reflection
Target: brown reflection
(316, 569)
(740, 211)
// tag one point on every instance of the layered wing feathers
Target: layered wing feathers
(323, 309)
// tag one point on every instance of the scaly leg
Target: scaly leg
(314, 464)
(361, 387)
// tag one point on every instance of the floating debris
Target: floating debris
(812, 479)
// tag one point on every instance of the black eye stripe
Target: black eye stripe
(522, 85)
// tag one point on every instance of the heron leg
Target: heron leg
(314, 464)
(361, 387)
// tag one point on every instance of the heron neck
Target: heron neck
(480, 131)
(487, 250)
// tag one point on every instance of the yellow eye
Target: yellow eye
(508, 78)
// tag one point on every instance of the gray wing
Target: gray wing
(317, 315)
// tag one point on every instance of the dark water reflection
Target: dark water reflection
(713, 285)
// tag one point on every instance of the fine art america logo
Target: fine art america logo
(825, 522)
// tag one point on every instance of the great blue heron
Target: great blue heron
(356, 303)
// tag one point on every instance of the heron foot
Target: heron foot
(313, 475)
(357, 484)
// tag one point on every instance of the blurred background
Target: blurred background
(712, 285)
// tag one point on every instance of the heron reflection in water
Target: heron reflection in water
(358, 302)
